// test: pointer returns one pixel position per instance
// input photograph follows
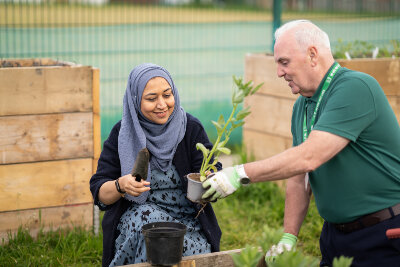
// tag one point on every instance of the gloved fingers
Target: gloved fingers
(208, 199)
(206, 184)
(270, 259)
(273, 251)
(216, 196)
(208, 193)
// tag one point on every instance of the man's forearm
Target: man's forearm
(284, 165)
(296, 204)
(316, 150)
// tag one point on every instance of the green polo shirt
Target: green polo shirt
(365, 176)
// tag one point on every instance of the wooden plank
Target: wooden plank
(96, 118)
(44, 184)
(262, 68)
(46, 219)
(217, 259)
(394, 102)
(263, 145)
(385, 70)
(31, 138)
(269, 114)
(39, 90)
(32, 62)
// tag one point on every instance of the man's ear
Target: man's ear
(313, 55)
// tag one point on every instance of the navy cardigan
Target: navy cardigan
(187, 159)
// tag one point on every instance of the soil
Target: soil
(194, 176)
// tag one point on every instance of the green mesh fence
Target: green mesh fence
(202, 47)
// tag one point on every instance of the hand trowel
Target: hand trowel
(141, 165)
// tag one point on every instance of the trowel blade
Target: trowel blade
(141, 165)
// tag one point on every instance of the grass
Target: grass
(241, 218)
(243, 215)
(69, 247)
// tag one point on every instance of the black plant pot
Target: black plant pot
(164, 242)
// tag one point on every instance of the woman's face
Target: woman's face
(158, 102)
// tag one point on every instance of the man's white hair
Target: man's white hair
(305, 36)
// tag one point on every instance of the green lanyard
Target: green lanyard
(325, 86)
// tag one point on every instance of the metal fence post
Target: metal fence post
(277, 13)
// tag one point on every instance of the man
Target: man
(346, 141)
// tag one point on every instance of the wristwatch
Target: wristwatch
(243, 178)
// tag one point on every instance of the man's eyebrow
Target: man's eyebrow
(281, 59)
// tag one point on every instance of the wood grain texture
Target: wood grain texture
(269, 114)
(96, 119)
(394, 102)
(30, 138)
(262, 145)
(261, 68)
(45, 184)
(385, 70)
(41, 90)
(47, 219)
(217, 259)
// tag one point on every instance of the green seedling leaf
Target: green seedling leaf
(225, 127)
(224, 150)
(215, 161)
(234, 125)
(247, 88)
(217, 126)
(202, 178)
(243, 114)
(256, 88)
(223, 143)
(221, 120)
(238, 98)
(203, 149)
(248, 257)
(342, 261)
(238, 81)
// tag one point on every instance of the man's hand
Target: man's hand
(221, 184)
(287, 243)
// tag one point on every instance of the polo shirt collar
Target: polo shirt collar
(315, 96)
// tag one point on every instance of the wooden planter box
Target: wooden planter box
(216, 259)
(49, 144)
(267, 129)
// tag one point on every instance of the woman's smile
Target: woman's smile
(158, 102)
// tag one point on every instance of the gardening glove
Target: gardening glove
(287, 243)
(223, 183)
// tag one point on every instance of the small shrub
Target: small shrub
(363, 49)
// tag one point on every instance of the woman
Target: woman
(152, 118)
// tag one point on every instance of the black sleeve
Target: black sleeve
(108, 167)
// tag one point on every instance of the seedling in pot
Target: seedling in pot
(225, 128)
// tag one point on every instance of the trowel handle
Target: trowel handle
(141, 165)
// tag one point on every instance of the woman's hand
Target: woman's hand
(128, 184)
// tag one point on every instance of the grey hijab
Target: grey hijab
(138, 132)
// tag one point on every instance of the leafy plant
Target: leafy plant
(363, 49)
(225, 128)
(250, 256)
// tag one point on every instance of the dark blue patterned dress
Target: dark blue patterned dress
(165, 203)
